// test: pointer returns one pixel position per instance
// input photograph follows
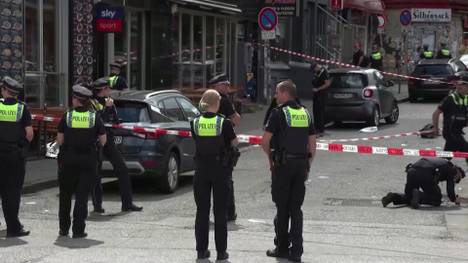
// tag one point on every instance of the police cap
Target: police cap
(101, 83)
(118, 63)
(81, 92)
(11, 85)
(218, 79)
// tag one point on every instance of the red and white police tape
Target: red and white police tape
(256, 140)
(376, 138)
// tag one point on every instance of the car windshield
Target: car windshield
(432, 70)
(132, 112)
(348, 81)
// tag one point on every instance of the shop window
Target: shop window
(198, 59)
(281, 41)
(32, 35)
(186, 52)
(220, 45)
(164, 40)
(210, 46)
(136, 49)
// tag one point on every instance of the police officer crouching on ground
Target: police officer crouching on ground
(426, 174)
(212, 134)
(221, 84)
(78, 132)
(291, 129)
(454, 109)
(16, 129)
(116, 80)
(102, 103)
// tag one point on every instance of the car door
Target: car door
(385, 95)
(190, 113)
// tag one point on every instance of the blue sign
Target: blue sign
(109, 12)
(405, 17)
(268, 19)
(109, 19)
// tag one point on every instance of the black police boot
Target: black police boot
(232, 217)
(222, 255)
(132, 208)
(63, 233)
(277, 253)
(19, 233)
(203, 254)
(293, 258)
(386, 200)
(80, 235)
(99, 210)
(415, 200)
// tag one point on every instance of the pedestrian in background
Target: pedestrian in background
(78, 131)
(290, 129)
(116, 79)
(221, 84)
(102, 103)
(16, 132)
(358, 56)
(454, 109)
(212, 133)
(426, 174)
(320, 85)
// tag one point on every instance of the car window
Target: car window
(188, 108)
(171, 109)
(349, 81)
(433, 70)
(132, 111)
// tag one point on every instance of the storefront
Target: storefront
(172, 44)
(419, 23)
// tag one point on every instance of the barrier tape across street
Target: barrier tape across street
(256, 140)
(376, 138)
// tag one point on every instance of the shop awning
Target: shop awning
(209, 5)
(376, 7)
(399, 4)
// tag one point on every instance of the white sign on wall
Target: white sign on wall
(431, 15)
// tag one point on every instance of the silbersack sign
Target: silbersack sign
(109, 19)
(431, 15)
(284, 7)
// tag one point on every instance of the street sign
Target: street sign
(382, 21)
(109, 19)
(267, 35)
(267, 19)
(405, 17)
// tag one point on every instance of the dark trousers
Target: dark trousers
(11, 181)
(231, 201)
(112, 154)
(288, 191)
(456, 142)
(430, 195)
(76, 177)
(210, 177)
(319, 102)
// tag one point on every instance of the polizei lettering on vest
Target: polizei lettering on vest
(207, 126)
(81, 119)
(8, 112)
(298, 117)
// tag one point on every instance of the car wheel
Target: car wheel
(169, 181)
(393, 118)
(374, 119)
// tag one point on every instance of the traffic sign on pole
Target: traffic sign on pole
(267, 19)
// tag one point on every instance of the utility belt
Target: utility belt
(227, 158)
(281, 157)
(79, 150)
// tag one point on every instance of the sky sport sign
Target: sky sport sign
(431, 15)
(284, 7)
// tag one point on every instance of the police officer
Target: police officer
(101, 102)
(376, 58)
(16, 132)
(78, 131)
(291, 129)
(212, 133)
(221, 84)
(116, 80)
(426, 174)
(454, 109)
(320, 84)
(444, 52)
(426, 53)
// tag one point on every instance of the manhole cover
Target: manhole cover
(351, 202)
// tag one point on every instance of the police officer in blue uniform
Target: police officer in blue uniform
(212, 134)
(116, 80)
(291, 130)
(454, 108)
(102, 103)
(221, 84)
(16, 131)
(78, 133)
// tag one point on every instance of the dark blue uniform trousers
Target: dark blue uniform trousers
(11, 181)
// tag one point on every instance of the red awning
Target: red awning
(368, 6)
(399, 4)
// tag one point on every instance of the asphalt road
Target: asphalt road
(343, 217)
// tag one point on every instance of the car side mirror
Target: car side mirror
(388, 84)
